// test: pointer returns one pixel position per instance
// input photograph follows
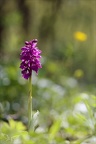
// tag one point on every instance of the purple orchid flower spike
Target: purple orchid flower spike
(30, 58)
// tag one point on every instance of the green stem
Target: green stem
(30, 103)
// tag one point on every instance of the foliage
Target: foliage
(63, 119)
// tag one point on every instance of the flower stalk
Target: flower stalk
(30, 103)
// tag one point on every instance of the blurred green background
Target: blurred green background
(66, 33)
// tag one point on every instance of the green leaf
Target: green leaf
(55, 128)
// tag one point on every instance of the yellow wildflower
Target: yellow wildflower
(80, 36)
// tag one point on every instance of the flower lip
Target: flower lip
(30, 58)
